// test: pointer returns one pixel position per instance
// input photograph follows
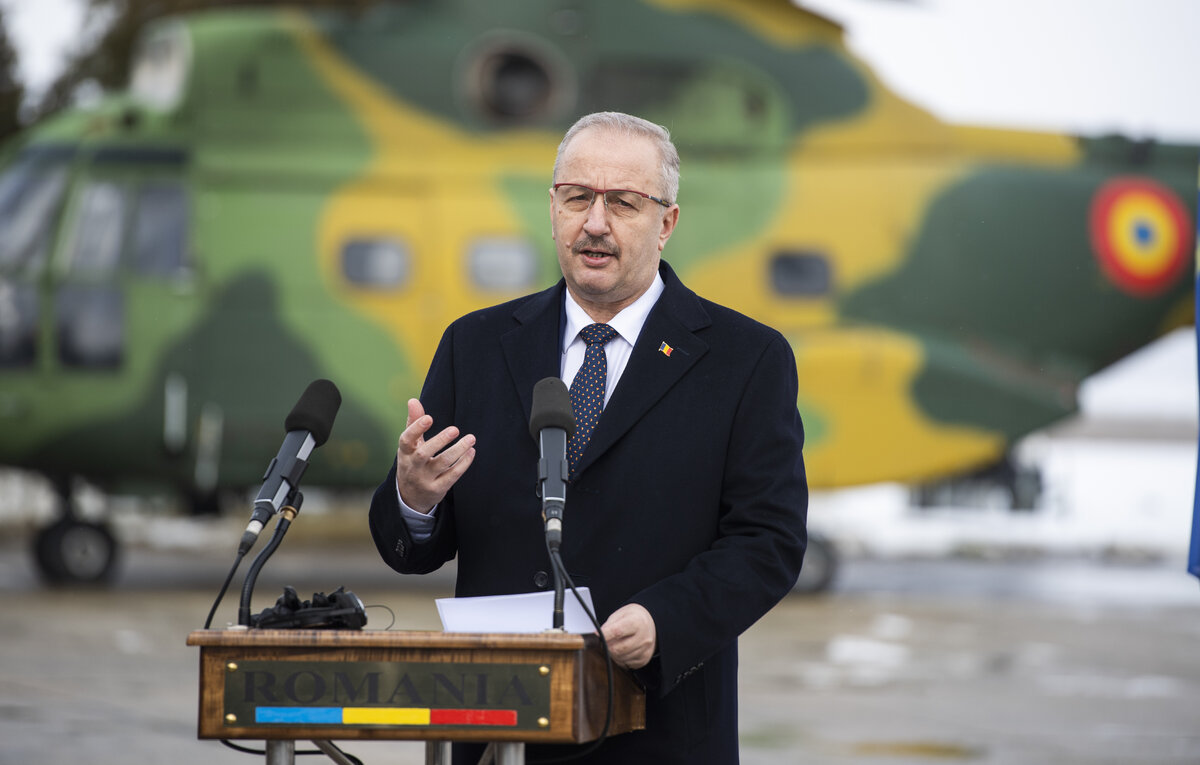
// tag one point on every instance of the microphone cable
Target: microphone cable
(208, 622)
(237, 562)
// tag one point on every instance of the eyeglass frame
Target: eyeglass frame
(602, 193)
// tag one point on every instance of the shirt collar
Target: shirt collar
(628, 323)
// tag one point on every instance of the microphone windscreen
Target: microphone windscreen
(551, 407)
(315, 410)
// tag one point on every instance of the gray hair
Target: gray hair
(631, 126)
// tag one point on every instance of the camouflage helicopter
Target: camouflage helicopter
(284, 195)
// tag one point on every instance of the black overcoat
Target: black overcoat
(690, 499)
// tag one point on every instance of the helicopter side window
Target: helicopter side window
(160, 230)
(502, 264)
(90, 325)
(801, 274)
(18, 324)
(376, 263)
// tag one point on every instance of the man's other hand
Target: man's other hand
(426, 469)
(631, 636)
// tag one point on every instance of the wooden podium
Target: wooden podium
(284, 685)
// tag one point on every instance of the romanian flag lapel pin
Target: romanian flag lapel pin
(665, 349)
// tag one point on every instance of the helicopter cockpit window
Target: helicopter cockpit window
(32, 190)
(382, 263)
(31, 195)
(94, 247)
(89, 308)
(801, 274)
(160, 231)
(501, 264)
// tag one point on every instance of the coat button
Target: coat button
(541, 579)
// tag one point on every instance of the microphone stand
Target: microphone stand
(287, 514)
(551, 423)
(552, 515)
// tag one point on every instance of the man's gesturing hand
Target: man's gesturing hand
(631, 636)
(426, 469)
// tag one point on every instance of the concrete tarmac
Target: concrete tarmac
(1036, 662)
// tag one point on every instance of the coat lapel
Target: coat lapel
(650, 372)
(533, 349)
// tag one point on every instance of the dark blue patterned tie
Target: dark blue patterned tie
(587, 389)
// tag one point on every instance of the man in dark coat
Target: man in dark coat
(685, 511)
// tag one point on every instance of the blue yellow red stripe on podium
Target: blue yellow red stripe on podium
(384, 716)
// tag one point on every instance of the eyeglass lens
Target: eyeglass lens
(623, 204)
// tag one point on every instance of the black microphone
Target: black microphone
(307, 426)
(552, 422)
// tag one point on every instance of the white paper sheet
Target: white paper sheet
(528, 612)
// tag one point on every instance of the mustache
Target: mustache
(599, 243)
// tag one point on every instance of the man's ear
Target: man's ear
(669, 220)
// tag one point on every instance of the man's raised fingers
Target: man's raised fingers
(412, 436)
(415, 411)
(435, 444)
(461, 462)
(453, 453)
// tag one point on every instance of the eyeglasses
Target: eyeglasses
(623, 203)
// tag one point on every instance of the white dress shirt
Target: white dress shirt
(628, 324)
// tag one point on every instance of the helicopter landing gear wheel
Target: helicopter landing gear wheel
(75, 552)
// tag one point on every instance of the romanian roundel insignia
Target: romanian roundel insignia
(1140, 234)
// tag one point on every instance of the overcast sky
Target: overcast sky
(43, 31)
(1085, 66)
(1081, 65)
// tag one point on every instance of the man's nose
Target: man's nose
(597, 217)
